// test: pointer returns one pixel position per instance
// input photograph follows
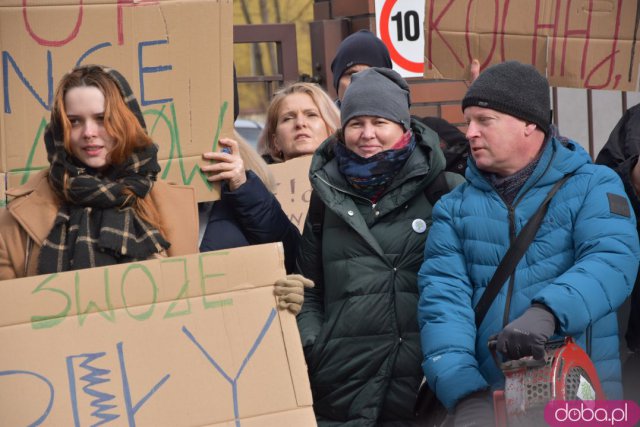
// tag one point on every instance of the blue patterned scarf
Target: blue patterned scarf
(371, 176)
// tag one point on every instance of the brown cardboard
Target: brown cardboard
(176, 55)
(154, 340)
(294, 189)
(571, 44)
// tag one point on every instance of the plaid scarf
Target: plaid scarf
(98, 226)
(371, 176)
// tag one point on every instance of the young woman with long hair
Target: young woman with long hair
(99, 202)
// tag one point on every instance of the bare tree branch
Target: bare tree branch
(301, 11)
(245, 11)
(276, 9)
(257, 68)
(264, 13)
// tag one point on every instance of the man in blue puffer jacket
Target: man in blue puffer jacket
(575, 274)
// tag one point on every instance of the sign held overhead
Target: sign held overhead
(581, 43)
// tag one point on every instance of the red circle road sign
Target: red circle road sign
(415, 67)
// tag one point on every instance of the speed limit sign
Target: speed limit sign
(400, 26)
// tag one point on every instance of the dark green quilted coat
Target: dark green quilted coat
(358, 325)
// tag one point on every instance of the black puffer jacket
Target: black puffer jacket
(358, 325)
(620, 153)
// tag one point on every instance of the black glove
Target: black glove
(475, 410)
(527, 335)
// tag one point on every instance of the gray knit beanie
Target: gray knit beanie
(515, 89)
(378, 92)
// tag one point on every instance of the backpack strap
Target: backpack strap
(316, 213)
(437, 188)
(514, 254)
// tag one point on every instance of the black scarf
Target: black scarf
(98, 226)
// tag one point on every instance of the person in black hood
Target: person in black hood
(621, 154)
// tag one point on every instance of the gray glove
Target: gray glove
(527, 335)
(290, 292)
(475, 410)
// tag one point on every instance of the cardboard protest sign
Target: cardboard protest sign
(584, 44)
(183, 341)
(294, 188)
(175, 55)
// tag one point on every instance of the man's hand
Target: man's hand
(474, 70)
(290, 292)
(527, 335)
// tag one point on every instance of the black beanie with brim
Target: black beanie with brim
(362, 47)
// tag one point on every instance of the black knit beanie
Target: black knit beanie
(362, 47)
(377, 92)
(515, 89)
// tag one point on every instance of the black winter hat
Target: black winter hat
(512, 88)
(362, 47)
(378, 92)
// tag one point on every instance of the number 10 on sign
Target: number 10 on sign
(400, 25)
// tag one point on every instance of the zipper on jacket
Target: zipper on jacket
(343, 191)
(512, 234)
(588, 343)
(512, 237)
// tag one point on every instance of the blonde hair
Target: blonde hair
(327, 108)
(254, 162)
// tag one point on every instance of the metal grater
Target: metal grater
(566, 373)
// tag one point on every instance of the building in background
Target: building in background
(584, 115)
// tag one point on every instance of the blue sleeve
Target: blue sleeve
(606, 257)
(445, 312)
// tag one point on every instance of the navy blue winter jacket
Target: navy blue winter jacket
(250, 215)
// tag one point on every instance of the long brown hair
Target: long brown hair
(327, 108)
(119, 121)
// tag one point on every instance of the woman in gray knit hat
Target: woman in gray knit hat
(362, 246)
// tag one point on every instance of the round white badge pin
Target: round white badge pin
(419, 226)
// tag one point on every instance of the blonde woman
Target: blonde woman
(300, 116)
